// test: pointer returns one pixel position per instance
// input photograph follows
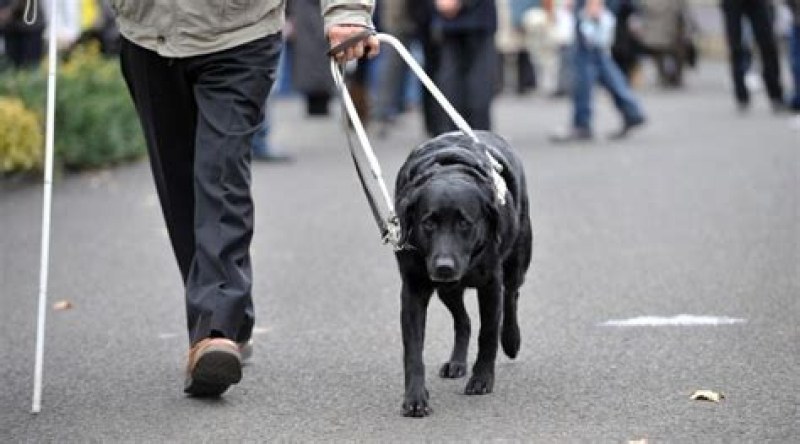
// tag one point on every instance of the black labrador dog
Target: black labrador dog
(463, 212)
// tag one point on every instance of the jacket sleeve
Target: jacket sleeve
(347, 12)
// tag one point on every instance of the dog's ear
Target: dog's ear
(406, 209)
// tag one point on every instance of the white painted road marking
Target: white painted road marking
(682, 320)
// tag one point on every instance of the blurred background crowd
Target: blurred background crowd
(474, 50)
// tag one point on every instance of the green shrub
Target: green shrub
(96, 124)
(21, 141)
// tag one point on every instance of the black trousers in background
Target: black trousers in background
(758, 13)
(199, 115)
(466, 77)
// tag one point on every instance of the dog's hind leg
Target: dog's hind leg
(413, 316)
(509, 338)
(490, 304)
(456, 367)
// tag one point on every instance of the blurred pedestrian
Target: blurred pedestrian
(511, 43)
(626, 50)
(665, 30)
(592, 64)
(311, 74)
(423, 13)
(199, 74)
(794, 52)
(550, 34)
(468, 60)
(393, 72)
(98, 25)
(67, 22)
(758, 14)
(23, 41)
(264, 149)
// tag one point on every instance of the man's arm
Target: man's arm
(343, 19)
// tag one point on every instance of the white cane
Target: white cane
(48, 193)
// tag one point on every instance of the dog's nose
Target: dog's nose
(444, 268)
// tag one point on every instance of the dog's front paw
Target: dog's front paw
(453, 370)
(416, 404)
(480, 384)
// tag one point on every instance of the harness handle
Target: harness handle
(350, 42)
(384, 214)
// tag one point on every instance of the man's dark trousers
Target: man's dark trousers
(199, 115)
(758, 13)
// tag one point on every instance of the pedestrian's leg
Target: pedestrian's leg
(452, 69)
(612, 79)
(481, 56)
(167, 111)
(391, 83)
(584, 77)
(565, 71)
(678, 55)
(432, 112)
(231, 88)
(527, 78)
(732, 14)
(759, 15)
(795, 60)
(660, 59)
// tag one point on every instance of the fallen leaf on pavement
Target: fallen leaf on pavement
(707, 395)
(62, 305)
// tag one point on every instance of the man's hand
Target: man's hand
(448, 8)
(370, 46)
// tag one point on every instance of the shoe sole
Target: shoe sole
(216, 370)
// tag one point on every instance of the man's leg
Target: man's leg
(230, 89)
(479, 80)
(738, 54)
(391, 82)
(452, 71)
(795, 60)
(167, 111)
(612, 79)
(584, 76)
(761, 21)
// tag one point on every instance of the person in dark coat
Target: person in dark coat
(24, 46)
(758, 13)
(468, 59)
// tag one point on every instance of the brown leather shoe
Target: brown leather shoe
(214, 364)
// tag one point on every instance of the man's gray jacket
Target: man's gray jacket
(185, 28)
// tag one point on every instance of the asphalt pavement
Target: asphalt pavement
(697, 214)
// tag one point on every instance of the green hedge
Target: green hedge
(96, 124)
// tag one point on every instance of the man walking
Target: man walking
(199, 72)
(593, 63)
(760, 18)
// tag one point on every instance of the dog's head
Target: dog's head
(449, 216)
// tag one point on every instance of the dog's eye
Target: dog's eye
(464, 225)
(428, 225)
